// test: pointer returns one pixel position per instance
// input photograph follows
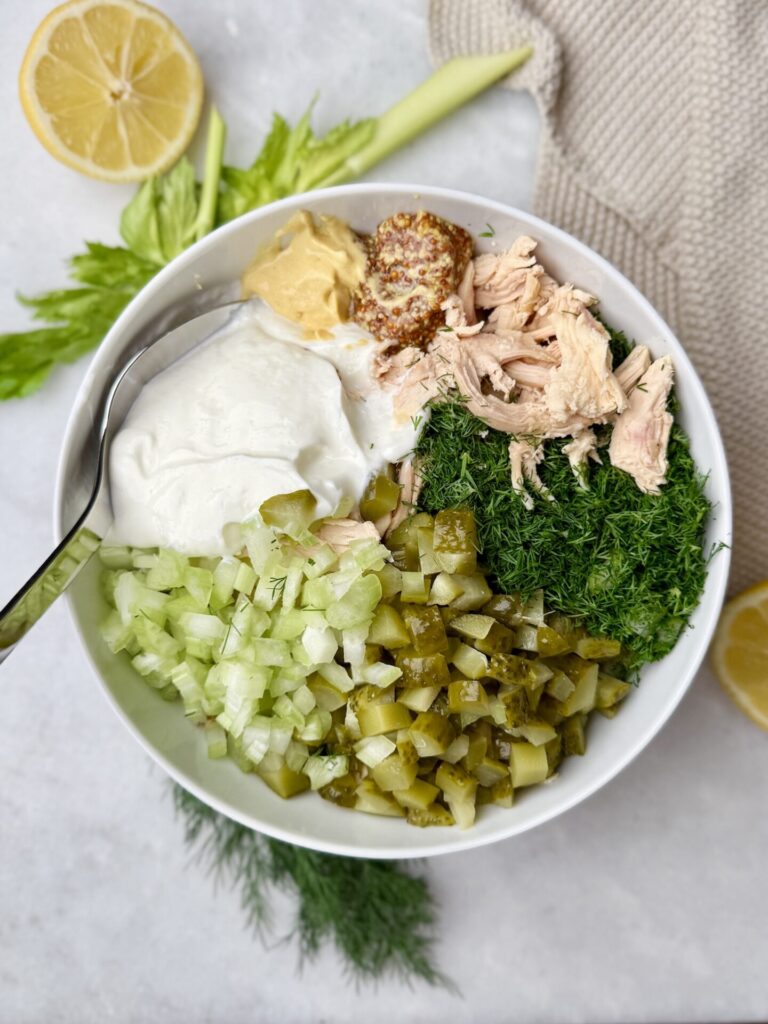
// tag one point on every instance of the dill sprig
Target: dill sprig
(632, 565)
(380, 917)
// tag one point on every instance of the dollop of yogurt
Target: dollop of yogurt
(254, 411)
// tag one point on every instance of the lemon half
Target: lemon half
(740, 652)
(111, 88)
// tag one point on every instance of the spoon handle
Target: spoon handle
(51, 579)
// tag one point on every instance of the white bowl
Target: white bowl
(308, 820)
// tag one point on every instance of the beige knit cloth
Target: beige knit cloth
(655, 152)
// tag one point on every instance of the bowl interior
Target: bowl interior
(218, 260)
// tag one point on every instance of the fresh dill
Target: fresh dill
(278, 585)
(641, 387)
(630, 564)
(416, 421)
(489, 233)
(379, 915)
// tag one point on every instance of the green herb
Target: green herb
(641, 387)
(278, 585)
(416, 421)
(169, 212)
(380, 917)
(490, 233)
(631, 564)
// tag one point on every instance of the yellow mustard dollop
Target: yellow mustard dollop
(309, 272)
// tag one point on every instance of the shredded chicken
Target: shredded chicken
(466, 293)
(340, 533)
(411, 482)
(584, 383)
(524, 459)
(641, 433)
(582, 448)
(632, 369)
(456, 318)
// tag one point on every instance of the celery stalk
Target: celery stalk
(454, 84)
(209, 194)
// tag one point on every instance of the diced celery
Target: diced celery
(353, 644)
(321, 559)
(286, 710)
(295, 755)
(357, 605)
(208, 628)
(216, 740)
(337, 675)
(223, 582)
(169, 569)
(320, 643)
(368, 555)
(372, 750)
(269, 652)
(133, 598)
(317, 726)
(380, 674)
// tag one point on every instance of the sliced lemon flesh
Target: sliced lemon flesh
(111, 88)
(740, 652)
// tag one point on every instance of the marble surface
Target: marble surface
(646, 903)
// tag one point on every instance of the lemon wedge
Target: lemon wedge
(111, 88)
(740, 652)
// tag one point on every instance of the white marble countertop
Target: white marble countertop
(646, 903)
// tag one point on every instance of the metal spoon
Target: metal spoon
(145, 360)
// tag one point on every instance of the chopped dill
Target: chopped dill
(490, 233)
(630, 564)
(278, 585)
(416, 421)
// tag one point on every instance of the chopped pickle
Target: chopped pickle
(471, 663)
(499, 640)
(394, 772)
(574, 738)
(372, 800)
(431, 734)
(467, 695)
(502, 793)
(475, 592)
(475, 627)
(290, 513)
(422, 670)
(391, 580)
(584, 695)
(541, 640)
(327, 697)
(445, 589)
(512, 670)
(490, 771)
(426, 629)
(480, 745)
(341, 791)
(415, 588)
(528, 764)
(560, 686)
(457, 750)
(425, 545)
(455, 541)
(597, 648)
(284, 782)
(380, 497)
(435, 814)
(388, 628)
(537, 732)
(417, 797)
(455, 783)
(418, 698)
(610, 691)
(376, 719)
(554, 751)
